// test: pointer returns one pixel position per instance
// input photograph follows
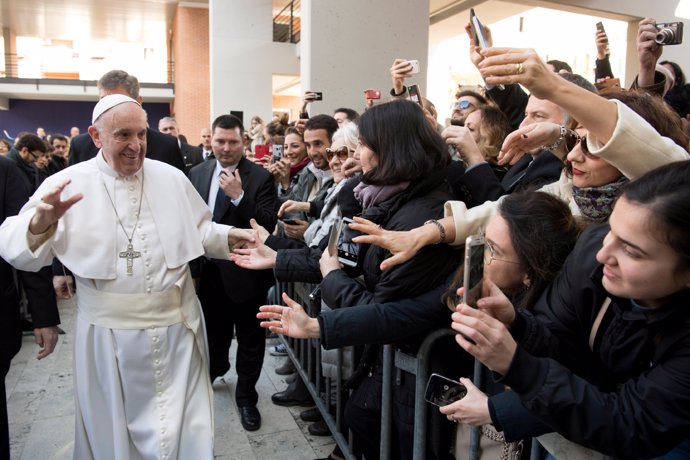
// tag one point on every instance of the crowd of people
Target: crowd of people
(580, 190)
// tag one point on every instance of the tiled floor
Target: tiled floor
(41, 410)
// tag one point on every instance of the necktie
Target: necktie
(218, 206)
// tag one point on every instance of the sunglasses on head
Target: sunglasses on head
(343, 153)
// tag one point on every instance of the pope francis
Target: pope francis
(127, 227)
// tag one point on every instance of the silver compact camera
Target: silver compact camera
(669, 33)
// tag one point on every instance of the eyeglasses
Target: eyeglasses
(343, 153)
(462, 105)
(37, 156)
(488, 247)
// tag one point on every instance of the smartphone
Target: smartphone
(372, 94)
(414, 94)
(260, 151)
(441, 391)
(348, 251)
(289, 221)
(318, 96)
(277, 152)
(478, 32)
(479, 35)
(600, 26)
(415, 66)
(334, 237)
(474, 269)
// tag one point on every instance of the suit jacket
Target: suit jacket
(259, 202)
(191, 155)
(39, 290)
(159, 146)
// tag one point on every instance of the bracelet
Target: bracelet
(441, 230)
(558, 142)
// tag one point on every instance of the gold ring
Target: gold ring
(519, 68)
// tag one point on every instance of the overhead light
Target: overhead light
(683, 9)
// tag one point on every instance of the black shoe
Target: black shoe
(286, 369)
(319, 429)
(311, 415)
(250, 417)
(296, 394)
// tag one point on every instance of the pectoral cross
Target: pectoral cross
(130, 254)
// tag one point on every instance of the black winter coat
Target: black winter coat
(630, 397)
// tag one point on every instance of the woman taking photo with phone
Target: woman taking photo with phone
(617, 142)
(604, 358)
(526, 244)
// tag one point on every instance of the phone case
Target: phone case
(441, 391)
(474, 269)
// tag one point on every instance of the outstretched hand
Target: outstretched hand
(260, 257)
(239, 238)
(291, 320)
(527, 139)
(52, 208)
(507, 66)
(403, 245)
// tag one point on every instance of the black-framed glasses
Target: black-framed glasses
(343, 153)
(488, 247)
(37, 156)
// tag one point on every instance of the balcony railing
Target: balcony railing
(12, 70)
(287, 24)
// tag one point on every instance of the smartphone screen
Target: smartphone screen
(413, 91)
(441, 391)
(474, 269)
(277, 152)
(348, 251)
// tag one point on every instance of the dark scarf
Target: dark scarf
(294, 169)
(596, 203)
(371, 195)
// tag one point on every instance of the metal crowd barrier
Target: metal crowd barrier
(306, 356)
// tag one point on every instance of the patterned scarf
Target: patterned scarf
(596, 203)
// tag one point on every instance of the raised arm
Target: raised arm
(524, 66)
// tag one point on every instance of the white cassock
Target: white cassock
(142, 386)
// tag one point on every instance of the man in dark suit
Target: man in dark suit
(237, 190)
(42, 303)
(191, 155)
(159, 146)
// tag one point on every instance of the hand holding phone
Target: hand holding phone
(348, 250)
(415, 66)
(441, 391)
(474, 269)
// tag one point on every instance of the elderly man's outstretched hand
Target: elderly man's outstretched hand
(52, 208)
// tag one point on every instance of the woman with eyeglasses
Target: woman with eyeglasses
(526, 243)
(604, 357)
(617, 138)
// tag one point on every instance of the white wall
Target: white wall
(349, 46)
(244, 57)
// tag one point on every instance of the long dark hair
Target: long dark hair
(665, 192)
(406, 146)
(543, 231)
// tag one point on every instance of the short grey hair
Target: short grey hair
(116, 79)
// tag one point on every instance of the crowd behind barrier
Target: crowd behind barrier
(306, 356)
